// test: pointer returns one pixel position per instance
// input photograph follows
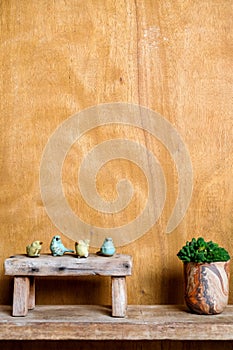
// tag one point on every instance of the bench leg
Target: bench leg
(32, 292)
(119, 296)
(20, 296)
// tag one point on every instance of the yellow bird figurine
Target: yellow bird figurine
(82, 248)
(33, 250)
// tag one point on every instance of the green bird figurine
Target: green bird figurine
(33, 250)
(57, 248)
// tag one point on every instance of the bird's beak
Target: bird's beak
(41, 242)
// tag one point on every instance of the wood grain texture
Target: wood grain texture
(159, 322)
(21, 296)
(32, 294)
(69, 265)
(58, 58)
(119, 296)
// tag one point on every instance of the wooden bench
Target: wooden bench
(24, 270)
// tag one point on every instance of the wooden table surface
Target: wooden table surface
(92, 322)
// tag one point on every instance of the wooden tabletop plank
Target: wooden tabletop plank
(93, 322)
(69, 265)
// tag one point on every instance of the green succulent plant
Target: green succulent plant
(200, 251)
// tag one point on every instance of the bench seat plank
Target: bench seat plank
(68, 265)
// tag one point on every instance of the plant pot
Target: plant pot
(207, 286)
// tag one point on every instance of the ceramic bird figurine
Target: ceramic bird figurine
(82, 248)
(107, 248)
(57, 248)
(33, 250)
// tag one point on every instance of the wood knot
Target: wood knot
(35, 269)
(61, 268)
(126, 265)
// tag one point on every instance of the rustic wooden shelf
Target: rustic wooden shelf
(92, 322)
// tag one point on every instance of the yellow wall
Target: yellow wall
(60, 57)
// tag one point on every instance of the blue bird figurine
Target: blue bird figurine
(57, 248)
(107, 248)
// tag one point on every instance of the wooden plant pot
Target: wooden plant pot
(207, 286)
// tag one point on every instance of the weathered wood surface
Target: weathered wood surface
(24, 295)
(94, 323)
(32, 293)
(21, 296)
(69, 265)
(119, 296)
(117, 266)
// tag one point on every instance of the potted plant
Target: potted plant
(206, 274)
